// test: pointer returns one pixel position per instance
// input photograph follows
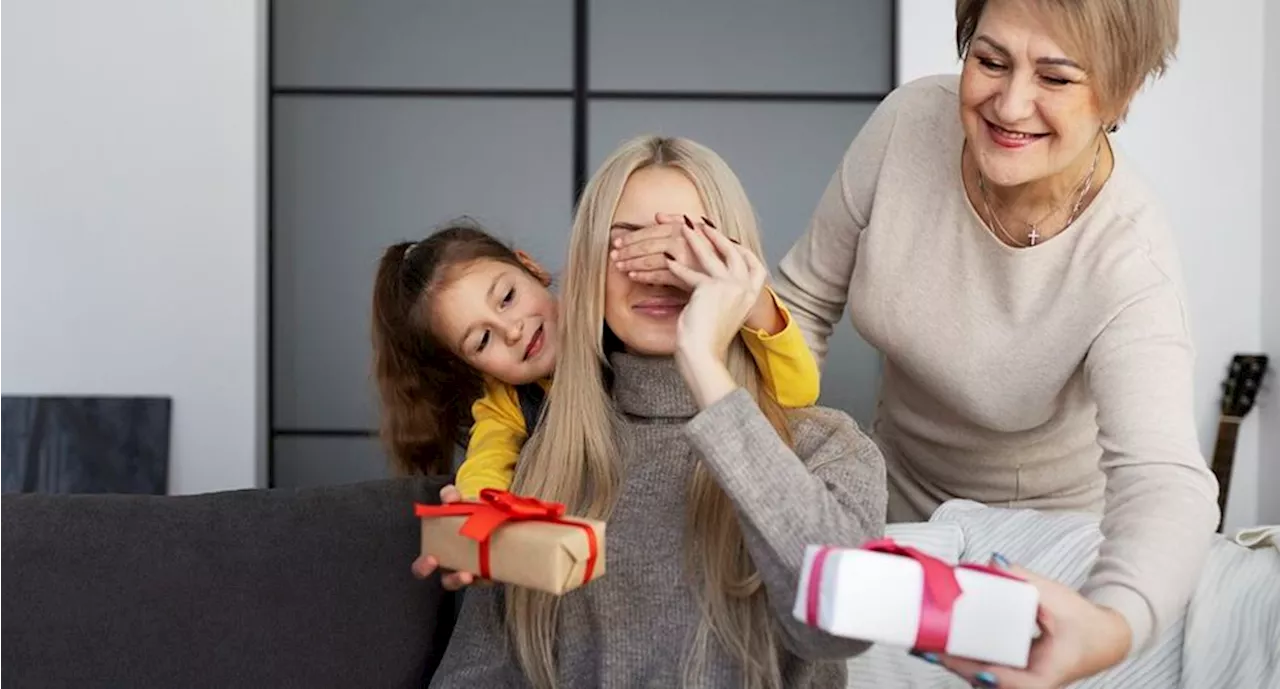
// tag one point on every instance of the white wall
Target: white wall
(1269, 407)
(1194, 135)
(132, 216)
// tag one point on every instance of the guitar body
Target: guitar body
(1239, 392)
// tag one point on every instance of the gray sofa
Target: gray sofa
(256, 588)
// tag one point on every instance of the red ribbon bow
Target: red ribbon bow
(497, 507)
(941, 589)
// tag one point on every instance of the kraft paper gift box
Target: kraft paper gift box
(898, 596)
(514, 540)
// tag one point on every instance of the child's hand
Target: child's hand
(425, 565)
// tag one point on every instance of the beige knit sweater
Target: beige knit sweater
(1055, 377)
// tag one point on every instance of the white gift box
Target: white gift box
(880, 597)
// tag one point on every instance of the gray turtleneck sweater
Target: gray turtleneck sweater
(632, 627)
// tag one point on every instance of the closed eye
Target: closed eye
(484, 342)
(988, 63)
(511, 295)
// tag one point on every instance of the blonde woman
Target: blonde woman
(658, 423)
(1023, 285)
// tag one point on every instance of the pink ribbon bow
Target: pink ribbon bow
(941, 589)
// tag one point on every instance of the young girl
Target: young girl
(465, 334)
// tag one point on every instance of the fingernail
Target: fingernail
(930, 657)
(708, 222)
(999, 561)
(985, 679)
(688, 222)
(668, 255)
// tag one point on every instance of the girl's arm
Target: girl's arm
(787, 365)
(496, 438)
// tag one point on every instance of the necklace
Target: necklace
(1033, 228)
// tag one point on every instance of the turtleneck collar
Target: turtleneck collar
(650, 387)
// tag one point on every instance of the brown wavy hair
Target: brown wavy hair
(425, 390)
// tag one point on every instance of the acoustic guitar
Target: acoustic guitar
(1239, 391)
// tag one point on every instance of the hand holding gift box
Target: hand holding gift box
(896, 595)
(515, 540)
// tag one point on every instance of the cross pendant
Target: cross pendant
(1034, 236)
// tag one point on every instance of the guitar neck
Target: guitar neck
(1224, 452)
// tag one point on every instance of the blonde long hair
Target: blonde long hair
(573, 457)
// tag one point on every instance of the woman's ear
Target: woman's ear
(534, 267)
(1113, 120)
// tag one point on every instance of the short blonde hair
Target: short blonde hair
(1121, 43)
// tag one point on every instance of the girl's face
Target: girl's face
(499, 319)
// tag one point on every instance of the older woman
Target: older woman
(657, 422)
(1023, 286)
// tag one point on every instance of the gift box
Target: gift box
(514, 540)
(896, 595)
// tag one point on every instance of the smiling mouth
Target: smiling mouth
(661, 308)
(1010, 138)
(535, 344)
